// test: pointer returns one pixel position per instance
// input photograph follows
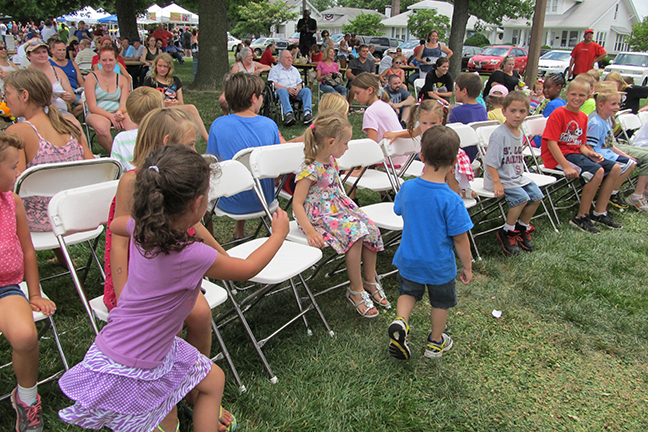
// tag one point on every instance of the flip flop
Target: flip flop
(176, 429)
(232, 426)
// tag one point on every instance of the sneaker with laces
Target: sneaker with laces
(398, 332)
(436, 350)
(28, 417)
(508, 240)
(289, 119)
(584, 223)
(524, 238)
(640, 204)
(606, 220)
(617, 201)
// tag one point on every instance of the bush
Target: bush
(604, 62)
(477, 39)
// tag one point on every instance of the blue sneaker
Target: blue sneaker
(436, 350)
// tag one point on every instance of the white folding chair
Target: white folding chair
(38, 317)
(629, 123)
(372, 179)
(236, 178)
(643, 116)
(48, 179)
(418, 85)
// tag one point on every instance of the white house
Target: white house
(288, 28)
(566, 22)
(334, 18)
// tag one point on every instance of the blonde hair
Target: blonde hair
(39, 90)
(594, 73)
(172, 123)
(327, 125)
(428, 106)
(617, 78)
(325, 54)
(169, 61)
(366, 80)
(334, 102)
(9, 140)
(603, 92)
(589, 79)
(141, 101)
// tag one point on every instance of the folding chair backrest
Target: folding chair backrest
(534, 125)
(235, 178)
(49, 179)
(643, 116)
(483, 135)
(418, 85)
(243, 156)
(81, 209)
(478, 124)
(467, 134)
(401, 146)
(276, 160)
(629, 121)
(11, 44)
(361, 153)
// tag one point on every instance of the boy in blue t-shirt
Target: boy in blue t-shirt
(435, 219)
(467, 88)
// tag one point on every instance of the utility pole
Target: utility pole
(537, 30)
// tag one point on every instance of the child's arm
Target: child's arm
(38, 303)
(372, 134)
(587, 150)
(399, 134)
(208, 239)
(315, 239)
(462, 245)
(237, 269)
(121, 237)
(620, 152)
(497, 183)
(569, 171)
(383, 76)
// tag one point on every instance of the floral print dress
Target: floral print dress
(332, 213)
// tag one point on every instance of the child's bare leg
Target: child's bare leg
(452, 182)
(528, 211)
(170, 422)
(17, 325)
(438, 317)
(623, 177)
(514, 214)
(405, 306)
(239, 229)
(369, 258)
(606, 189)
(199, 332)
(641, 185)
(208, 402)
(589, 191)
(353, 257)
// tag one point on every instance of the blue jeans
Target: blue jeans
(304, 95)
(530, 192)
(331, 89)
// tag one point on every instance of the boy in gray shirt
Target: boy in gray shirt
(504, 176)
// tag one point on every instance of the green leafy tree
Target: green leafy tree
(478, 40)
(423, 21)
(365, 24)
(377, 5)
(639, 38)
(259, 17)
(35, 10)
(322, 5)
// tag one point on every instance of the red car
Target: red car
(490, 59)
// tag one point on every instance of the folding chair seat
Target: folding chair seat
(38, 317)
(629, 123)
(48, 179)
(418, 85)
(89, 130)
(290, 261)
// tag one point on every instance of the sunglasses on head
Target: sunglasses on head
(3, 48)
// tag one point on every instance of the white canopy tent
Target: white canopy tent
(87, 14)
(170, 14)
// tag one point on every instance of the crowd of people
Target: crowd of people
(137, 369)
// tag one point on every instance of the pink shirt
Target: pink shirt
(326, 69)
(382, 118)
(12, 266)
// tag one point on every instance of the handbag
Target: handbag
(335, 79)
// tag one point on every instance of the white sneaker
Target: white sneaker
(640, 204)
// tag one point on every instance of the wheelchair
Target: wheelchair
(272, 108)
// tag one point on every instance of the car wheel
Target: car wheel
(258, 52)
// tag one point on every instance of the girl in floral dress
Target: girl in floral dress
(329, 217)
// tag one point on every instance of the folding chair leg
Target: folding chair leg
(472, 238)
(224, 353)
(316, 306)
(58, 343)
(309, 332)
(549, 216)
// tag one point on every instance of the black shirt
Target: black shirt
(499, 77)
(633, 94)
(433, 82)
(305, 35)
(357, 67)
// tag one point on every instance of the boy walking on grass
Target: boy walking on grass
(564, 146)
(504, 175)
(435, 219)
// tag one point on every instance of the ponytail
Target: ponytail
(61, 124)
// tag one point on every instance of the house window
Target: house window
(601, 37)
(573, 39)
(616, 11)
(516, 37)
(563, 39)
(552, 6)
(621, 43)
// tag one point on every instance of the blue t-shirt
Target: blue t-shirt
(230, 134)
(82, 34)
(432, 215)
(599, 136)
(549, 108)
(468, 113)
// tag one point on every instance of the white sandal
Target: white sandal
(366, 300)
(380, 291)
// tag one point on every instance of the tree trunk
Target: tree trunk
(127, 18)
(395, 5)
(213, 62)
(537, 31)
(457, 31)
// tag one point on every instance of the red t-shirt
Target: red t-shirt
(568, 129)
(95, 60)
(164, 35)
(267, 58)
(584, 54)
(316, 58)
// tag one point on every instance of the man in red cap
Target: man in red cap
(585, 54)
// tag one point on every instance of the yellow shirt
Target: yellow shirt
(496, 114)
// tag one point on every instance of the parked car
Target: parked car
(490, 59)
(232, 42)
(468, 52)
(259, 45)
(630, 64)
(555, 61)
(408, 47)
(337, 37)
(383, 44)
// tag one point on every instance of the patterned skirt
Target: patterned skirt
(123, 398)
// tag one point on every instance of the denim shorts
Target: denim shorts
(11, 290)
(588, 166)
(441, 296)
(519, 195)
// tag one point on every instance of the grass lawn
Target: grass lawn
(568, 354)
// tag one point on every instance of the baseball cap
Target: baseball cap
(498, 88)
(589, 31)
(33, 44)
(391, 51)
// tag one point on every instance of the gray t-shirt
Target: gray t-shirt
(504, 153)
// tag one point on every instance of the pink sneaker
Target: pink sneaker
(28, 417)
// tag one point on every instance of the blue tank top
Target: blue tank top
(430, 55)
(70, 72)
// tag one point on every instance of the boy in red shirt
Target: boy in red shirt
(564, 146)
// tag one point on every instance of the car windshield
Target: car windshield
(337, 37)
(409, 44)
(557, 55)
(494, 51)
(259, 41)
(632, 60)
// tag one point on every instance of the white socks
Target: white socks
(508, 227)
(27, 395)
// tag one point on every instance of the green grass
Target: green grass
(568, 354)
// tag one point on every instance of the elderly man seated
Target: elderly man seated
(288, 84)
